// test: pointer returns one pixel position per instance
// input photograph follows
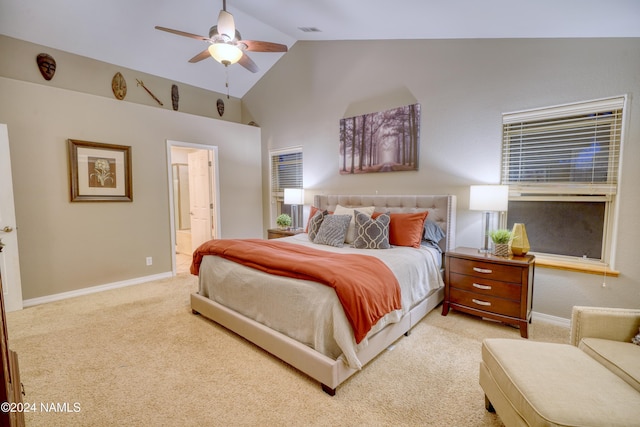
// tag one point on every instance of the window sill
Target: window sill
(577, 266)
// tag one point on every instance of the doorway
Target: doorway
(9, 259)
(193, 193)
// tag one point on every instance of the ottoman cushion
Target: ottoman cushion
(621, 358)
(558, 384)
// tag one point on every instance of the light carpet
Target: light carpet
(137, 356)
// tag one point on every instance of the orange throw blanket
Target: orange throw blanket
(365, 286)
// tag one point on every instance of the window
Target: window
(286, 172)
(562, 168)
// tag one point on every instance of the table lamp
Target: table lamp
(294, 197)
(489, 199)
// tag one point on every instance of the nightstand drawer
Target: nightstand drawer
(483, 286)
(485, 302)
(493, 271)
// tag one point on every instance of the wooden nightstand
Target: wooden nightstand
(489, 286)
(276, 233)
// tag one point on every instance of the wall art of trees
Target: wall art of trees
(385, 141)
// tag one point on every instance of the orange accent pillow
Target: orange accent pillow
(406, 229)
(312, 212)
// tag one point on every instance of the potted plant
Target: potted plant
(500, 240)
(283, 221)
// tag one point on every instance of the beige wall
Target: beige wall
(463, 87)
(67, 246)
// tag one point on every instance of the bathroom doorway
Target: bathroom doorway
(193, 199)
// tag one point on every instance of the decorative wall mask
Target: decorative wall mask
(119, 86)
(220, 105)
(47, 65)
(175, 97)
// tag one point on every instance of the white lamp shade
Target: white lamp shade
(489, 198)
(293, 196)
(225, 53)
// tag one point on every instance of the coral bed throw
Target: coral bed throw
(366, 287)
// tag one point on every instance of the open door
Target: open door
(200, 197)
(9, 260)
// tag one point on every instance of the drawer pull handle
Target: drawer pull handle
(482, 270)
(483, 287)
(477, 301)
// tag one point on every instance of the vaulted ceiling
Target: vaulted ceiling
(121, 32)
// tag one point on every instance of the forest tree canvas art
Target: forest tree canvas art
(386, 141)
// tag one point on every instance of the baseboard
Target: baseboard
(93, 289)
(547, 318)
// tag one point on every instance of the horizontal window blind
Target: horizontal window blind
(286, 170)
(574, 149)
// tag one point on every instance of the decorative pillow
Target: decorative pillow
(432, 234)
(312, 212)
(332, 230)
(351, 232)
(636, 339)
(314, 223)
(406, 229)
(371, 233)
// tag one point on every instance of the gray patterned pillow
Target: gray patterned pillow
(332, 230)
(315, 222)
(372, 233)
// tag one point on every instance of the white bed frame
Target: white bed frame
(330, 372)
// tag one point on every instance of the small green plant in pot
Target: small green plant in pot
(500, 240)
(283, 221)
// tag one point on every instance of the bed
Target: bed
(303, 322)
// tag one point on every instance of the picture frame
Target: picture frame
(99, 172)
(384, 141)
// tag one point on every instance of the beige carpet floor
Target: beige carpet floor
(136, 356)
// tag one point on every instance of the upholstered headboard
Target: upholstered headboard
(442, 209)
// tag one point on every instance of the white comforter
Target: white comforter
(310, 312)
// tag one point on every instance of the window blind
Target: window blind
(571, 149)
(286, 171)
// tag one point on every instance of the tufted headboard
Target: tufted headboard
(442, 209)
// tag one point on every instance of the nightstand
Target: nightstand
(489, 286)
(276, 233)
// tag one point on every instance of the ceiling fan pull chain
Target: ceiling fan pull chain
(226, 83)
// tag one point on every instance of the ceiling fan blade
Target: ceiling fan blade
(199, 57)
(226, 26)
(182, 33)
(248, 63)
(258, 46)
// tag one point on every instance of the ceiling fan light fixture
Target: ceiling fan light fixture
(224, 53)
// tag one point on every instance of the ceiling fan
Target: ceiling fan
(226, 45)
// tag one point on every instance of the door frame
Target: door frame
(215, 186)
(10, 256)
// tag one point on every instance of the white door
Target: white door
(9, 262)
(201, 207)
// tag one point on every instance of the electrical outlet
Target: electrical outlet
(149, 260)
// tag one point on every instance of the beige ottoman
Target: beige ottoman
(543, 384)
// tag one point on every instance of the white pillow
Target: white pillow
(351, 231)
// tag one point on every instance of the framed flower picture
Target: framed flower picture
(99, 172)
